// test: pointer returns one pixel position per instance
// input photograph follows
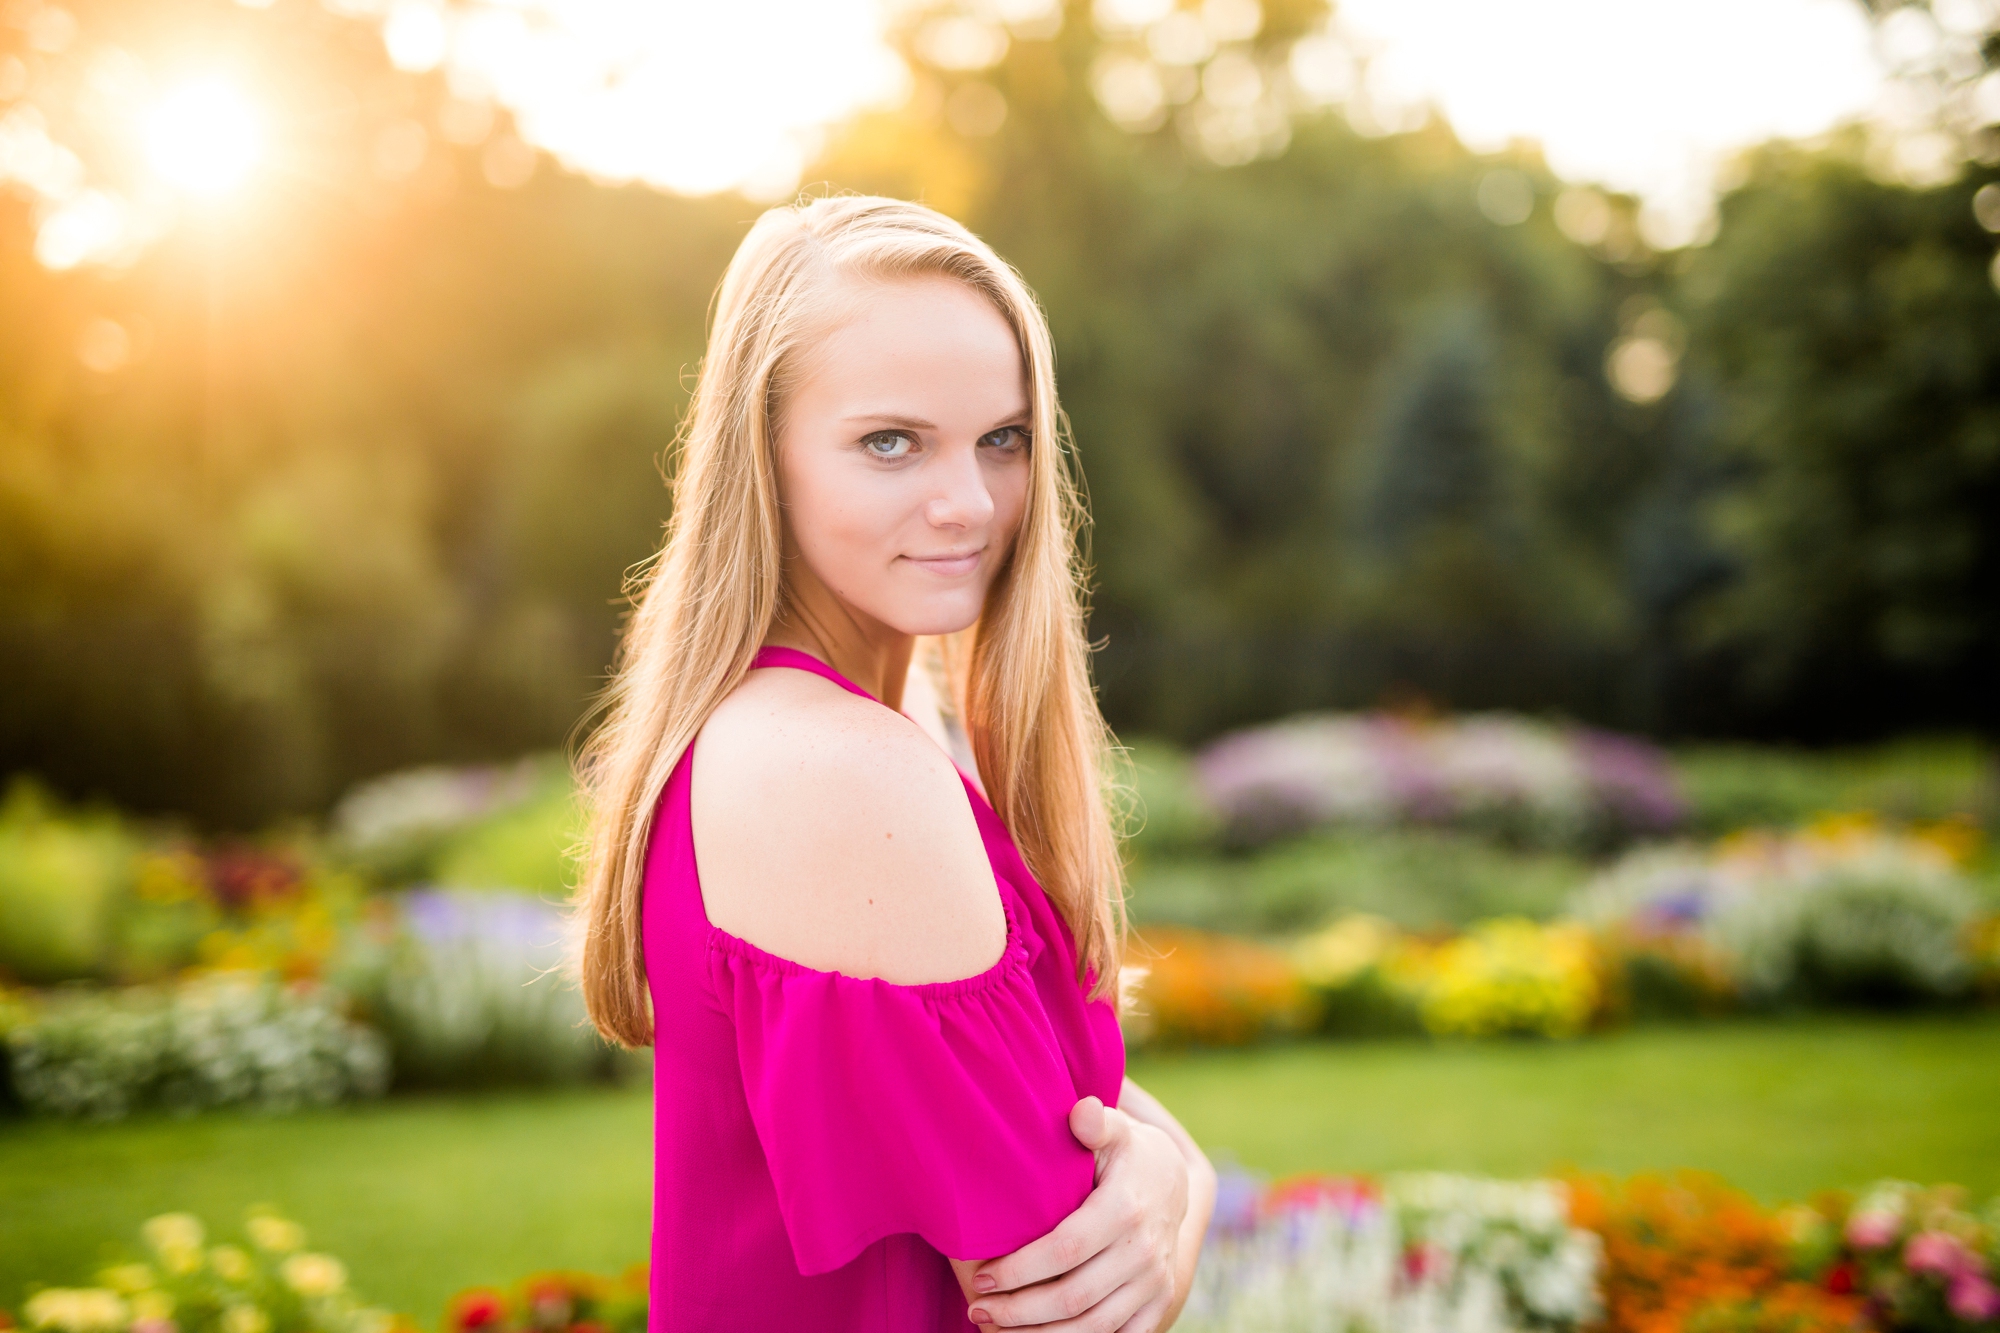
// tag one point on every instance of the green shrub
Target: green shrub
(1420, 879)
(471, 994)
(225, 1040)
(61, 878)
(525, 846)
(485, 826)
(1167, 814)
(1884, 933)
(1729, 787)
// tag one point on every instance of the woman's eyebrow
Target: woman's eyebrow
(919, 423)
(893, 419)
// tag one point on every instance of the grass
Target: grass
(420, 1196)
(424, 1196)
(1779, 1108)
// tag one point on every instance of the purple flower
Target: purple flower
(1630, 781)
(1237, 1194)
(1973, 1298)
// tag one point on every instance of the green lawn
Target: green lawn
(422, 1196)
(1779, 1109)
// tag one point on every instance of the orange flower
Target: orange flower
(1691, 1255)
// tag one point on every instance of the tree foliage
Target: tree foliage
(381, 450)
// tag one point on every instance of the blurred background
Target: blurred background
(343, 344)
(1545, 467)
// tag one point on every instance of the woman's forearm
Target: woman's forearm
(1141, 1105)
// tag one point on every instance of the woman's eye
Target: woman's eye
(1007, 437)
(887, 444)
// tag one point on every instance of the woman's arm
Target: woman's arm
(1125, 1258)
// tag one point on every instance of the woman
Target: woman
(889, 1087)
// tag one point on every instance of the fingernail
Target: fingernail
(984, 1282)
(980, 1316)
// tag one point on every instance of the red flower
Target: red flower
(1421, 1261)
(476, 1309)
(1840, 1279)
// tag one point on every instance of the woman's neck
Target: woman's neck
(867, 652)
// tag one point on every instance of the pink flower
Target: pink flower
(1973, 1298)
(1939, 1252)
(1871, 1231)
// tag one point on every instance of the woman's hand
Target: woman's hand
(1125, 1258)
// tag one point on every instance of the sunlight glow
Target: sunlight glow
(685, 95)
(204, 136)
(1648, 98)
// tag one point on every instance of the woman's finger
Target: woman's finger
(1129, 1309)
(1066, 1296)
(1096, 1223)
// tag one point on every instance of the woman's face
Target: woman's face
(903, 455)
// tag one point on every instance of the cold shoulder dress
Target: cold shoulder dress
(822, 1142)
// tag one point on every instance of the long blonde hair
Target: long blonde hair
(705, 603)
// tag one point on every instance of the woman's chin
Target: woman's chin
(936, 615)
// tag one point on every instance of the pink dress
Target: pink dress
(822, 1142)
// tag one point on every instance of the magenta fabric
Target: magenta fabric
(821, 1142)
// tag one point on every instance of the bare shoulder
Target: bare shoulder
(832, 831)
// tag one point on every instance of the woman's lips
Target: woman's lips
(949, 566)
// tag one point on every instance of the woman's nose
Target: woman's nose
(962, 499)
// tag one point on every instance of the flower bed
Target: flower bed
(1361, 976)
(1526, 781)
(218, 1040)
(1332, 1254)
(1846, 910)
(268, 1284)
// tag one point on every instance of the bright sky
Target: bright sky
(1640, 95)
(704, 95)
(687, 95)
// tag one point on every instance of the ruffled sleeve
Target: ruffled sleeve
(940, 1109)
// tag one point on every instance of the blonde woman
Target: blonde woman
(889, 1086)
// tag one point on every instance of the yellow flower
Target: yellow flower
(245, 1318)
(275, 1234)
(77, 1310)
(1350, 946)
(127, 1278)
(1511, 975)
(313, 1274)
(152, 1305)
(230, 1263)
(173, 1231)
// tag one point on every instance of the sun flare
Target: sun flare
(204, 136)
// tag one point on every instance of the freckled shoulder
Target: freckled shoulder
(831, 831)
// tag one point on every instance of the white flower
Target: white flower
(313, 1274)
(275, 1234)
(77, 1310)
(173, 1231)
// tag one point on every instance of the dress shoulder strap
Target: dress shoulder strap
(774, 655)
